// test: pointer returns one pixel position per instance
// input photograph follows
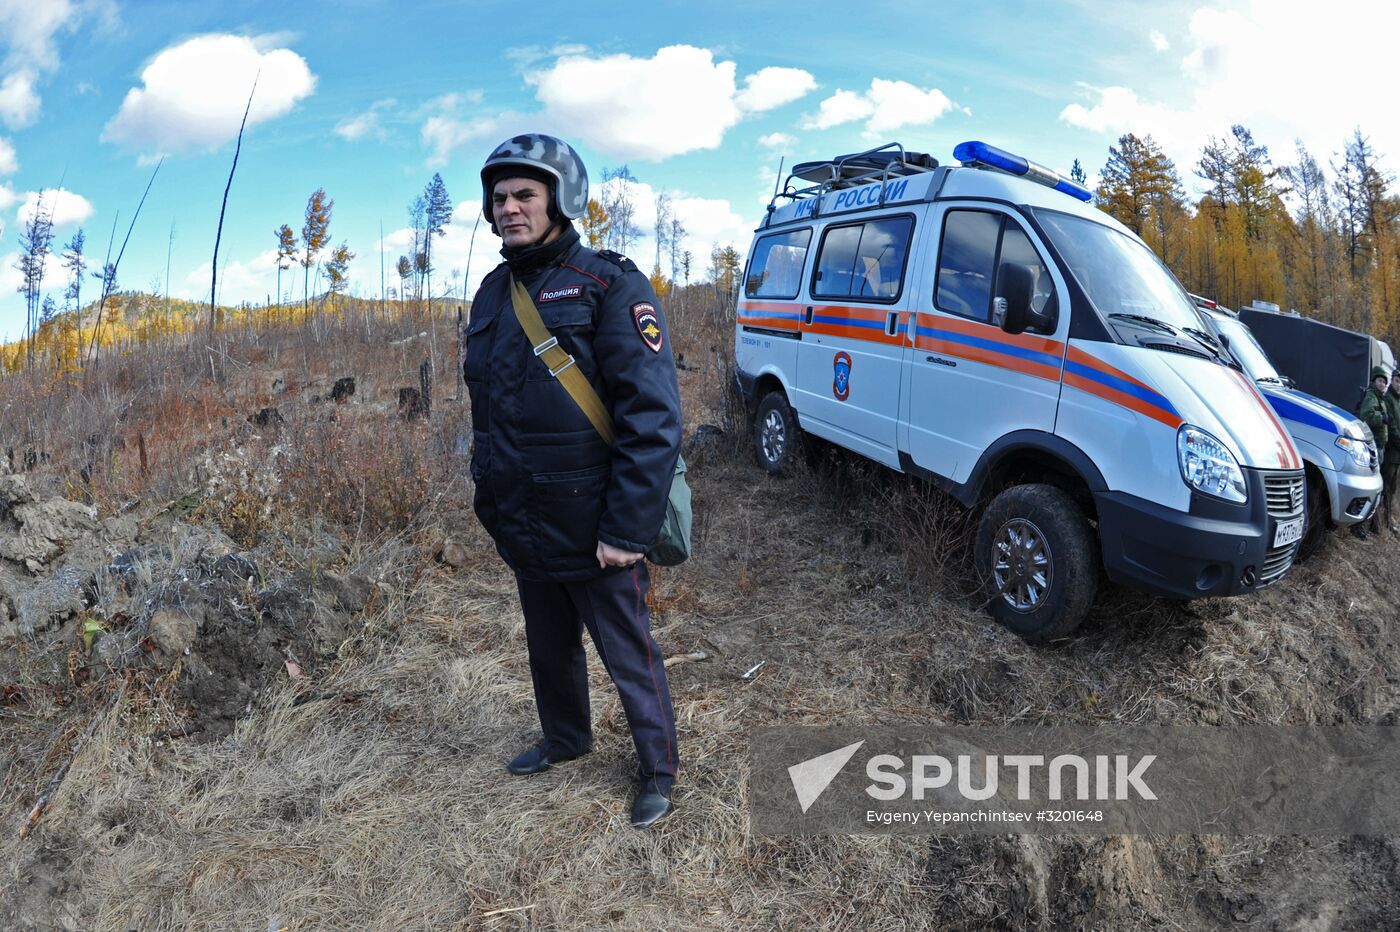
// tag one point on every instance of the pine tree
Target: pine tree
(338, 269)
(1139, 186)
(437, 213)
(596, 225)
(286, 254)
(315, 234)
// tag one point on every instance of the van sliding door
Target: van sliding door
(850, 358)
(968, 382)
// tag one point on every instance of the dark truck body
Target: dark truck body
(1323, 360)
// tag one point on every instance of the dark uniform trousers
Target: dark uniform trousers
(614, 610)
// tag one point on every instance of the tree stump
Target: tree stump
(411, 404)
(267, 417)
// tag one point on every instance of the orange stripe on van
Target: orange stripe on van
(1287, 459)
(1123, 399)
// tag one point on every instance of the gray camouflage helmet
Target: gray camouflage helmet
(554, 157)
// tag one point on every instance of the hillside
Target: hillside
(284, 669)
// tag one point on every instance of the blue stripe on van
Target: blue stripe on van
(1128, 388)
(1290, 410)
(995, 346)
(848, 322)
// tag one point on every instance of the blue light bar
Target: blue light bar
(979, 153)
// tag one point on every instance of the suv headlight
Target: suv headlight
(1208, 466)
(1353, 439)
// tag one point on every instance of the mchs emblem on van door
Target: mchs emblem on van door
(841, 384)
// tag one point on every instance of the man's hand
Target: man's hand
(614, 556)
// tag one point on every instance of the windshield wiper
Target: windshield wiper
(1205, 339)
(1144, 319)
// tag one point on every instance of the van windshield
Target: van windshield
(1120, 275)
(1246, 349)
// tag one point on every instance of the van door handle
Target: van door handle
(891, 323)
(809, 313)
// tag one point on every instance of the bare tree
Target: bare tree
(620, 208)
(674, 240)
(35, 241)
(219, 231)
(664, 215)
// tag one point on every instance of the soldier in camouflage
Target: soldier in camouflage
(1375, 413)
(1390, 459)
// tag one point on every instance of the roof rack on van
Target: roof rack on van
(853, 169)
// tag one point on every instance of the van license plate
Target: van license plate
(1288, 532)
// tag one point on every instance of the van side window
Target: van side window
(966, 258)
(863, 260)
(776, 268)
(969, 258)
(1017, 247)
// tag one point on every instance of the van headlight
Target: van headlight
(1208, 466)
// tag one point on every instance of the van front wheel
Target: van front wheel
(776, 436)
(1038, 562)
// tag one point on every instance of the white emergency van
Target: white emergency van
(985, 328)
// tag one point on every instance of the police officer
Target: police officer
(1374, 412)
(569, 513)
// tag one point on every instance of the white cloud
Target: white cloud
(64, 207)
(249, 280)
(899, 103)
(777, 141)
(840, 107)
(1159, 41)
(444, 134)
(29, 29)
(9, 162)
(772, 87)
(1279, 98)
(364, 124)
(679, 100)
(887, 105)
(193, 94)
(27, 37)
(19, 103)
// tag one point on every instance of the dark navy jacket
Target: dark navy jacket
(547, 487)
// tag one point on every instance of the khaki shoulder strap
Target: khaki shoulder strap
(559, 363)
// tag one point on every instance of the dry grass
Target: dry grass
(395, 812)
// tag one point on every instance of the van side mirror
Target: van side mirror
(1011, 308)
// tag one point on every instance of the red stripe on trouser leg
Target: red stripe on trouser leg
(647, 639)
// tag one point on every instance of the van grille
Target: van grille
(1276, 563)
(1284, 492)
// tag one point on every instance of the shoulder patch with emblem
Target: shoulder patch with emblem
(648, 324)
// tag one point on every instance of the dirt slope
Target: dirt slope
(370, 792)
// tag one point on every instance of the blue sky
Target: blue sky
(367, 99)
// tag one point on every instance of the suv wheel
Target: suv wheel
(776, 436)
(1038, 561)
(1315, 518)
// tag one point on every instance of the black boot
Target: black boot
(650, 807)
